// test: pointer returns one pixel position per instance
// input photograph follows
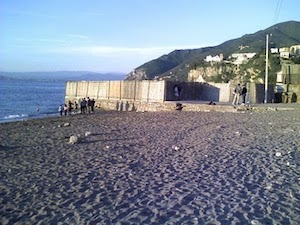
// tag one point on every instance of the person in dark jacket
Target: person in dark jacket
(92, 103)
(243, 94)
(83, 106)
(70, 107)
(88, 101)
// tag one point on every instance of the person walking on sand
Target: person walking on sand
(60, 110)
(82, 106)
(92, 103)
(76, 105)
(88, 100)
(70, 107)
(243, 94)
(236, 94)
(66, 110)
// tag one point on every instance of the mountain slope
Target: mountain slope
(178, 63)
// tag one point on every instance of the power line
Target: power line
(277, 11)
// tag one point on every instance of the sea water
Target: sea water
(26, 99)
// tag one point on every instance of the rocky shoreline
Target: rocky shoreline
(152, 168)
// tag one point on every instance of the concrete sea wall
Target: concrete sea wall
(119, 95)
(151, 95)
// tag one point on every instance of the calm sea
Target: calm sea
(24, 99)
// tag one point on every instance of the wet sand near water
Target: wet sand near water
(152, 168)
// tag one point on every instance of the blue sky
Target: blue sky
(120, 35)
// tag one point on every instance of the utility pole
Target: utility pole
(267, 66)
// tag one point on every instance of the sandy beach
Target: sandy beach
(152, 168)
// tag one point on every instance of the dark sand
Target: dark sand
(152, 168)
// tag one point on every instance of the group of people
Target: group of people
(65, 109)
(237, 92)
(86, 105)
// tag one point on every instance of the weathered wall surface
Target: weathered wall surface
(291, 74)
(256, 93)
(148, 91)
(292, 93)
(224, 91)
(150, 95)
(199, 91)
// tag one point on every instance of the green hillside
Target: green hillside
(178, 63)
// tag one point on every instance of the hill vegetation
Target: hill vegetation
(177, 64)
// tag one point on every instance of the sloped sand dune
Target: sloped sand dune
(152, 168)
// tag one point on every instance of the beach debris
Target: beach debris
(88, 133)
(292, 196)
(288, 163)
(58, 125)
(238, 133)
(179, 106)
(175, 147)
(272, 109)
(278, 154)
(107, 147)
(73, 139)
(277, 170)
(195, 220)
(269, 187)
(43, 127)
(66, 124)
(255, 222)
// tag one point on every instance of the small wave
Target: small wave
(15, 116)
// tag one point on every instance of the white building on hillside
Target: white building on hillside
(284, 52)
(240, 58)
(216, 58)
(295, 50)
(274, 50)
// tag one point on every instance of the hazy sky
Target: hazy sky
(120, 35)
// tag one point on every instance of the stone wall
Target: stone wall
(149, 91)
(150, 95)
(216, 92)
(291, 73)
(256, 93)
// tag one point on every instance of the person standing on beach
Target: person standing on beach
(66, 110)
(70, 107)
(88, 104)
(236, 94)
(92, 103)
(243, 93)
(82, 106)
(76, 105)
(60, 110)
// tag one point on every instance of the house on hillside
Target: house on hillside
(216, 58)
(274, 50)
(240, 58)
(295, 50)
(284, 52)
